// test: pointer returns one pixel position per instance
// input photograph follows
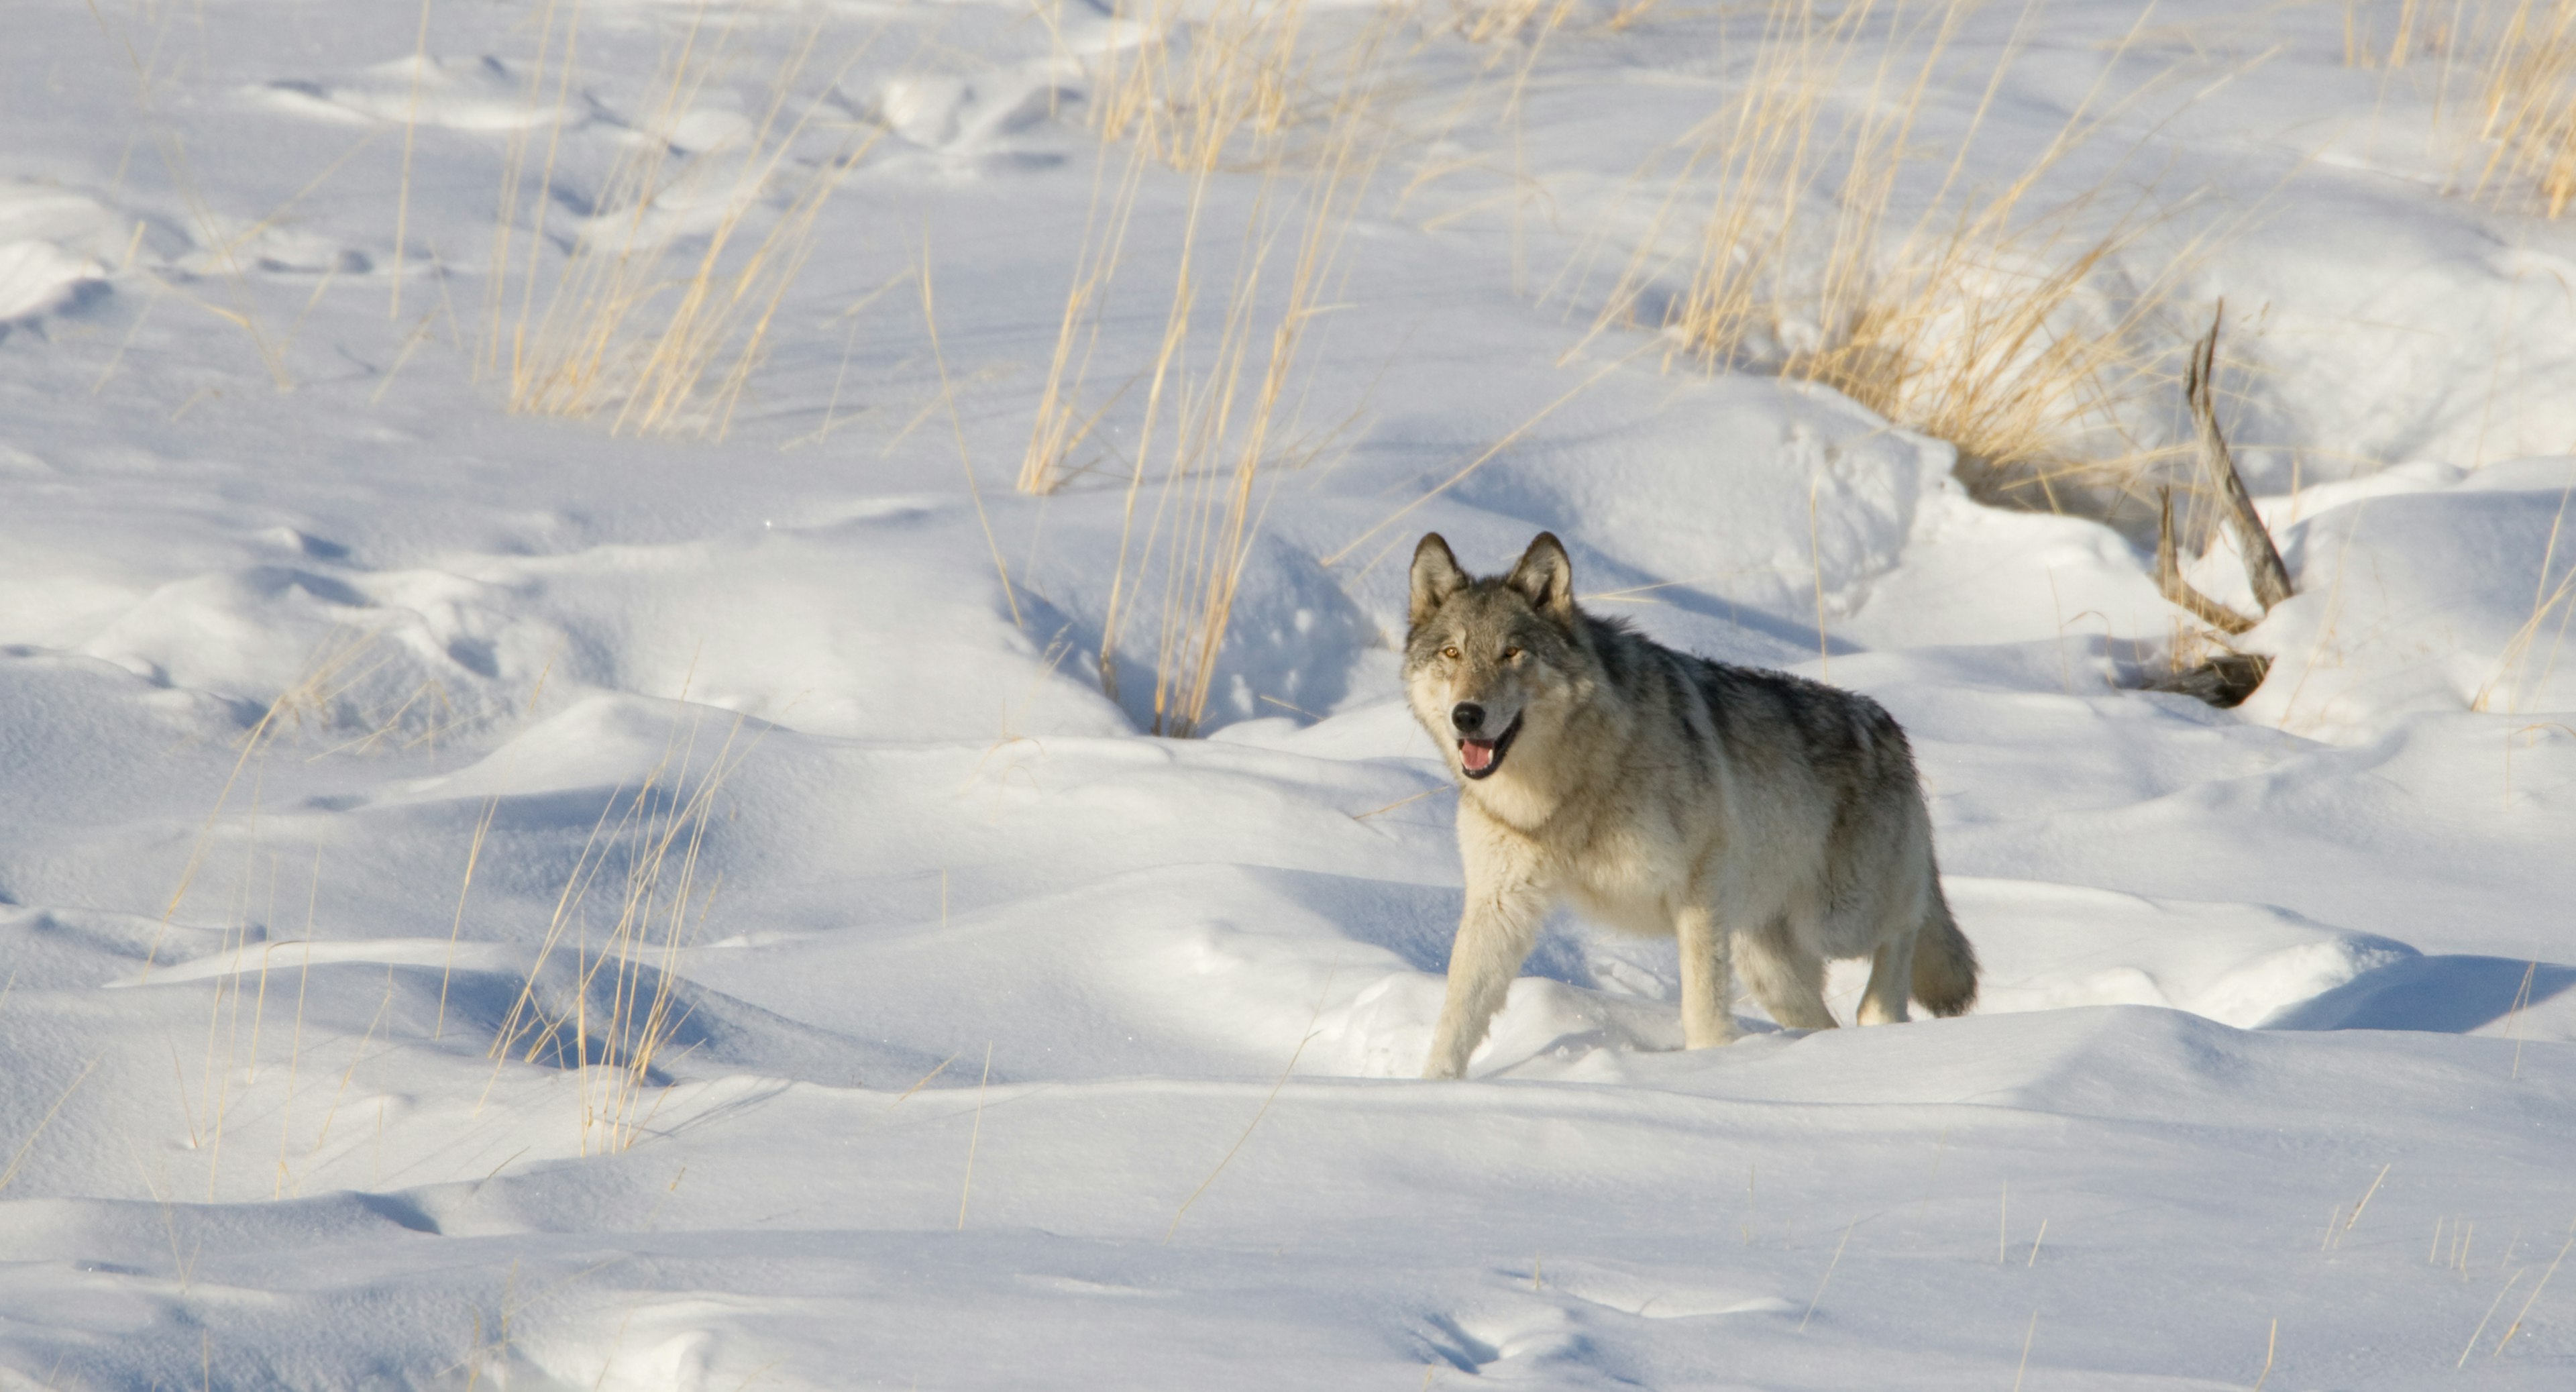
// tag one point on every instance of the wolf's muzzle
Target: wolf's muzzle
(1478, 758)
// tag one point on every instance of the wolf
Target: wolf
(1765, 821)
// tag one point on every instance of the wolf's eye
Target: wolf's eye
(1449, 653)
(1511, 654)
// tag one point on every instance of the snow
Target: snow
(346, 718)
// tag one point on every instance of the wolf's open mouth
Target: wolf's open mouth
(1481, 757)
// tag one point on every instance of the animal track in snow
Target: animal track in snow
(960, 115)
(978, 116)
(56, 247)
(61, 248)
(1649, 1297)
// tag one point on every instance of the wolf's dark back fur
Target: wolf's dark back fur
(1841, 738)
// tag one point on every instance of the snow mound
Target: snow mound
(55, 246)
(1766, 496)
(2048, 947)
(480, 94)
(2438, 590)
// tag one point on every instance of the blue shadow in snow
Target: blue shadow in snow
(1418, 922)
(2442, 995)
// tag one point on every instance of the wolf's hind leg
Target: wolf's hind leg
(1708, 984)
(1891, 974)
(1787, 978)
(1494, 935)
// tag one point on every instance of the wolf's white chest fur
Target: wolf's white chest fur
(1630, 877)
(1629, 873)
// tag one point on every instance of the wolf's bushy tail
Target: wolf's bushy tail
(1945, 966)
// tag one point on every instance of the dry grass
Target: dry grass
(331, 687)
(18, 1160)
(347, 696)
(1828, 1278)
(411, 136)
(2419, 28)
(2553, 605)
(1831, 252)
(2511, 63)
(2528, 103)
(1221, 98)
(622, 1009)
(655, 319)
(343, 687)
(1202, 80)
(1214, 414)
(611, 1019)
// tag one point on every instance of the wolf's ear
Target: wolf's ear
(1546, 578)
(1436, 576)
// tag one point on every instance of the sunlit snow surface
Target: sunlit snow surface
(1011, 1047)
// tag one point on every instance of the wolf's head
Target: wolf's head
(1497, 664)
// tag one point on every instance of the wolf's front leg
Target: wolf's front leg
(1708, 982)
(1494, 934)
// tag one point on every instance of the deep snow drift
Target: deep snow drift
(382, 772)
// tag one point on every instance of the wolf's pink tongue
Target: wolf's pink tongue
(1477, 754)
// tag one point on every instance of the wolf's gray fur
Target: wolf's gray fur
(1767, 821)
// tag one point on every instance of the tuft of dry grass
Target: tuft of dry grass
(1986, 318)
(2514, 63)
(1203, 77)
(2527, 103)
(622, 1010)
(1212, 411)
(1195, 97)
(655, 318)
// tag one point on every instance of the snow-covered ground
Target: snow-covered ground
(380, 769)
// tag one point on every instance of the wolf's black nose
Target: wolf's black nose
(1468, 717)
